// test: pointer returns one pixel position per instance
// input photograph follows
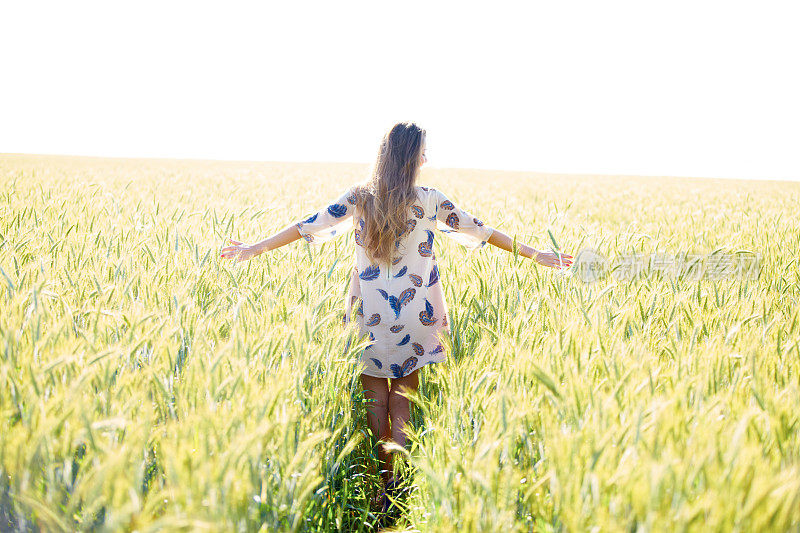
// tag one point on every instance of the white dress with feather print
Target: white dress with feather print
(400, 306)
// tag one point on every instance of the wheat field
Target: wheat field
(148, 385)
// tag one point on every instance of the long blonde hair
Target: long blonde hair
(385, 197)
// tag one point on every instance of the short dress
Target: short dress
(400, 306)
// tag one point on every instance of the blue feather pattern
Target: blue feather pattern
(377, 362)
(337, 210)
(360, 233)
(439, 349)
(406, 296)
(370, 273)
(405, 340)
(311, 219)
(452, 221)
(426, 248)
(434, 276)
(401, 371)
(397, 302)
(402, 272)
(426, 316)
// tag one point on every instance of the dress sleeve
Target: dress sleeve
(460, 225)
(331, 221)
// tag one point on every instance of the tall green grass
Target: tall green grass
(149, 385)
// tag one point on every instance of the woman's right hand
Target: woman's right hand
(552, 259)
(238, 251)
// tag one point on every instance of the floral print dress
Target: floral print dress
(401, 305)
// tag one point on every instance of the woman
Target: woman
(394, 286)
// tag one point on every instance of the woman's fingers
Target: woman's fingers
(230, 251)
(557, 260)
(560, 259)
(239, 252)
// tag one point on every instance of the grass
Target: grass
(148, 385)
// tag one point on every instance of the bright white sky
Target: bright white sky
(680, 88)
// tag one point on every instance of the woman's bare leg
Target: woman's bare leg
(399, 406)
(376, 392)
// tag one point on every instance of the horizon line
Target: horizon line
(518, 171)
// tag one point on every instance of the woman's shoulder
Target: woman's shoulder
(426, 191)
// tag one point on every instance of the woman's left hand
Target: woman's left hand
(239, 251)
(553, 259)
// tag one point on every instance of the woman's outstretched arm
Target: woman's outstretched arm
(243, 252)
(549, 259)
(320, 227)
